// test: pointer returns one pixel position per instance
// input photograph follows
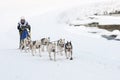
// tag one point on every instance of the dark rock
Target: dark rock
(109, 37)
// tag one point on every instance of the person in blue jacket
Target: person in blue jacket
(24, 29)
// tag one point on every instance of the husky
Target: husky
(24, 44)
(60, 45)
(44, 43)
(68, 50)
(34, 45)
(51, 48)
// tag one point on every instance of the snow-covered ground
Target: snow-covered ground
(94, 58)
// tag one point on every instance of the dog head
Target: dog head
(45, 41)
(61, 42)
(68, 45)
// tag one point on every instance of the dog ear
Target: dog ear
(48, 38)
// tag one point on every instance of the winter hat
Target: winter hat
(22, 18)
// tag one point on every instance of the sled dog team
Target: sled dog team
(52, 47)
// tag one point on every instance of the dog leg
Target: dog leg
(29, 49)
(66, 55)
(42, 48)
(61, 53)
(32, 53)
(25, 49)
(35, 49)
(71, 56)
(21, 49)
(50, 55)
(57, 50)
(39, 52)
(32, 50)
(54, 56)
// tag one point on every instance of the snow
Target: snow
(89, 9)
(94, 57)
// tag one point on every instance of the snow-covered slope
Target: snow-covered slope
(89, 9)
(95, 58)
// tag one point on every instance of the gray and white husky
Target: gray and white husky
(44, 43)
(34, 45)
(60, 46)
(51, 48)
(69, 50)
(24, 45)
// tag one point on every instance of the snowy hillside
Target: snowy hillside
(89, 9)
(94, 58)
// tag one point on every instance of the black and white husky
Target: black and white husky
(51, 48)
(44, 43)
(60, 46)
(69, 50)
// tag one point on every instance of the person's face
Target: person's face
(22, 21)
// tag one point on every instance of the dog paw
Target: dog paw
(71, 58)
